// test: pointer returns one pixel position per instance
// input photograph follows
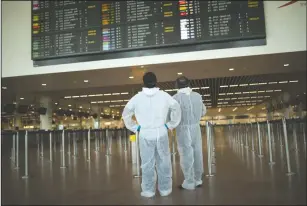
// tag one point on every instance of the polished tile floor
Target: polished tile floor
(241, 178)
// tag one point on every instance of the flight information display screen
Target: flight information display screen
(74, 28)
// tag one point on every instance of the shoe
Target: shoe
(165, 193)
(147, 194)
(198, 183)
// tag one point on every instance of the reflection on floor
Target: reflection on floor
(241, 177)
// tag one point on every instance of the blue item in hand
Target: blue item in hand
(138, 129)
(166, 126)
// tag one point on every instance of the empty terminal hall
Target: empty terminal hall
(153, 102)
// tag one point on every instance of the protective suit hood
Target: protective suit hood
(186, 90)
(150, 91)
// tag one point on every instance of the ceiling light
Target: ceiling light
(70, 109)
(56, 103)
(124, 93)
(233, 98)
(231, 69)
(107, 94)
(22, 98)
(222, 94)
(80, 107)
(286, 65)
(272, 82)
(269, 90)
(250, 108)
(75, 96)
(116, 94)
(253, 92)
(60, 108)
(69, 105)
(220, 100)
(206, 95)
(253, 97)
(85, 81)
(235, 109)
(243, 85)
(220, 109)
(179, 73)
(207, 100)
(44, 84)
(235, 85)
(238, 93)
(277, 90)
(293, 81)
(98, 95)
(229, 93)
(67, 97)
(261, 91)
(245, 92)
(224, 86)
(262, 83)
(131, 77)
(253, 84)
(205, 87)
(283, 82)
(91, 95)
(195, 88)
(4, 87)
(227, 99)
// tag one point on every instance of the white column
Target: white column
(287, 111)
(96, 122)
(46, 120)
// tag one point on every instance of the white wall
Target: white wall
(286, 32)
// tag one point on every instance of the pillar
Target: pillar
(287, 111)
(46, 120)
(96, 122)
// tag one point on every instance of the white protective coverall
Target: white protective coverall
(189, 140)
(151, 107)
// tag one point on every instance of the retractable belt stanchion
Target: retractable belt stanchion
(287, 148)
(13, 156)
(50, 146)
(246, 136)
(138, 172)
(41, 139)
(107, 142)
(17, 151)
(96, 142)
(295, 136)
(68, 139)
(270, 144)
(89, 145)
(173, 143)
(259, 141)
(26, 156)
(304, 136)
(126, 139)
(252, 134)
(209, 151)
(63, 150)
(74, 144)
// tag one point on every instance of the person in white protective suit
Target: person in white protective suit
(189, 139)
(151, 107)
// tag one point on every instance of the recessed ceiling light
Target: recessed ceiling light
(4, 87)
(286, 65)
(283, 82)
(44, 84)
(22, 98)
(60, 108)
(131, 77)
(69, 105)
(220, 109)
(85, 81)
(293, 81)
(80, 107)
(56, 103)
(179, 73)
(231, 69)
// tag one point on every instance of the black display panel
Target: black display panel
(79, 28)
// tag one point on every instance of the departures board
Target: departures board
(77, 28)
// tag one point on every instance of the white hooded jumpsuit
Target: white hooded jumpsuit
(189, 140)
(151, 107)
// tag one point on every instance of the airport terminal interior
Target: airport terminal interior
(63, 139)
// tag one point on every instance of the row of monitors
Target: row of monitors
(24, 109)
(21, 109)
(62, 113)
